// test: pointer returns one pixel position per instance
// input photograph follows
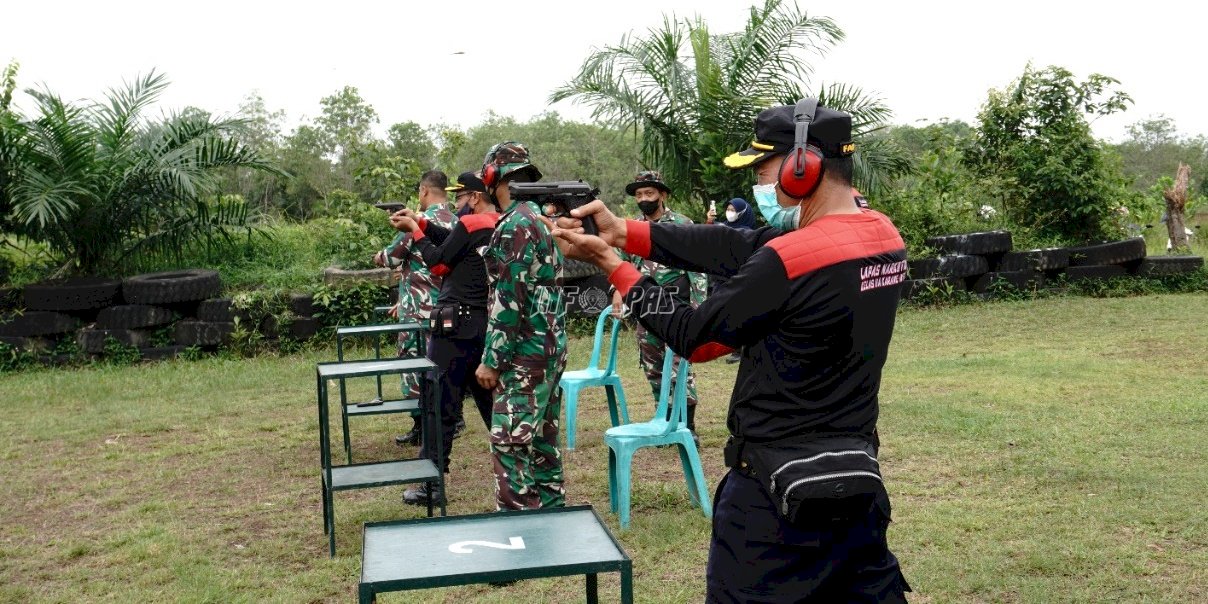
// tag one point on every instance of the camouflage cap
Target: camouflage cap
(647, 178)
(504, 159)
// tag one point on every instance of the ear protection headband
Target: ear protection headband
(490, 175)
(801, 170)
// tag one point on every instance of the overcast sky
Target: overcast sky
(928, 60)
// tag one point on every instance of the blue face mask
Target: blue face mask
(465, 210)
(782, 218)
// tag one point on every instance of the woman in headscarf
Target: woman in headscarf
(738, 215)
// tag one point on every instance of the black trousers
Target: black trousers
(456, 359)
(756, 556)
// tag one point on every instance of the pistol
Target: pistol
(390, 207)
(557, 199)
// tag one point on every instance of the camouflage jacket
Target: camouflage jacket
(527, 313)
(417, 287)
(690, 287)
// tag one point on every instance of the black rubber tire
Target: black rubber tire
(302, 305)
(959, 266)
(912, 287)
(38, 323)
(1034, 260)
(58, 360)
(84, 293)
(26, 344)
(578, 269)
(303, 328)
(1112, 252)
(1095, 272)
(133, 316)
(93, 340)
(976, 244)
(161, 353)
(202, 333)
(172, 286)
(1021, 280)
(219, 310)
(1170, 265)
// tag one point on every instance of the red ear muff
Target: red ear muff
(801, 170)
(490, 174)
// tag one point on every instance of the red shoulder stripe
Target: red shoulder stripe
(477, 222)
(834, 239)
(440, 270)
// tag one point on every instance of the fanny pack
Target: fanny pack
(818, 477)
(447, 320)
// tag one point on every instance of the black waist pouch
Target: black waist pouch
(445, 320)
(820, 477)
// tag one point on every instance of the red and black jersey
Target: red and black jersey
(812, 311)
(453, 254)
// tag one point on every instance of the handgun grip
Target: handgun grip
(589, 226)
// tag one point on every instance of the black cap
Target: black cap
(468, 181)
(775, 132)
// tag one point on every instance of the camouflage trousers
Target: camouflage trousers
(409, 342)
(524, 437)
(650, 358)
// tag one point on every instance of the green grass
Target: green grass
(1042, 451)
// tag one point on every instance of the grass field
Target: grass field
(1044, 451)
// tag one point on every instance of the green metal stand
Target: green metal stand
(377, 474)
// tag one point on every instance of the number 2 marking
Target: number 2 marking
(463, 547)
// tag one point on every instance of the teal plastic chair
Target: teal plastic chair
(664, 429)
(574, 381)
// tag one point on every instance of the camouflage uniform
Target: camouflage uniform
(650, 348)
(526, 343)
(417, 288)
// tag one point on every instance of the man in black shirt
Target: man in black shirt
(802, 514)
(459, 320)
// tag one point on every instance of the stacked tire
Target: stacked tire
(979, 262)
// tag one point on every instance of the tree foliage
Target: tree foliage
(1034, 136)
(691, 96)
(563, 150)
(98, 182)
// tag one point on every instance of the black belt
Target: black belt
(734, 458)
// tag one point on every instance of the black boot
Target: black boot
(692, 424)
(411, 438)
(420, 494)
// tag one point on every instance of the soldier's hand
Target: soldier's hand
(379, 259)
(393, 312)
(611, 227)
(404, 223)
(487, 377)
(618, 305)
(588, 248)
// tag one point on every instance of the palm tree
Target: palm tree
(692, 96)
(101, 185)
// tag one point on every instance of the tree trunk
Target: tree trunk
(1176, 202)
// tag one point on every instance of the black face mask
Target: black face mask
(648, 207)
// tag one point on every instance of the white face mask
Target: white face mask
(731, 215)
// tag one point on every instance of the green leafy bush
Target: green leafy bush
(350, 304)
